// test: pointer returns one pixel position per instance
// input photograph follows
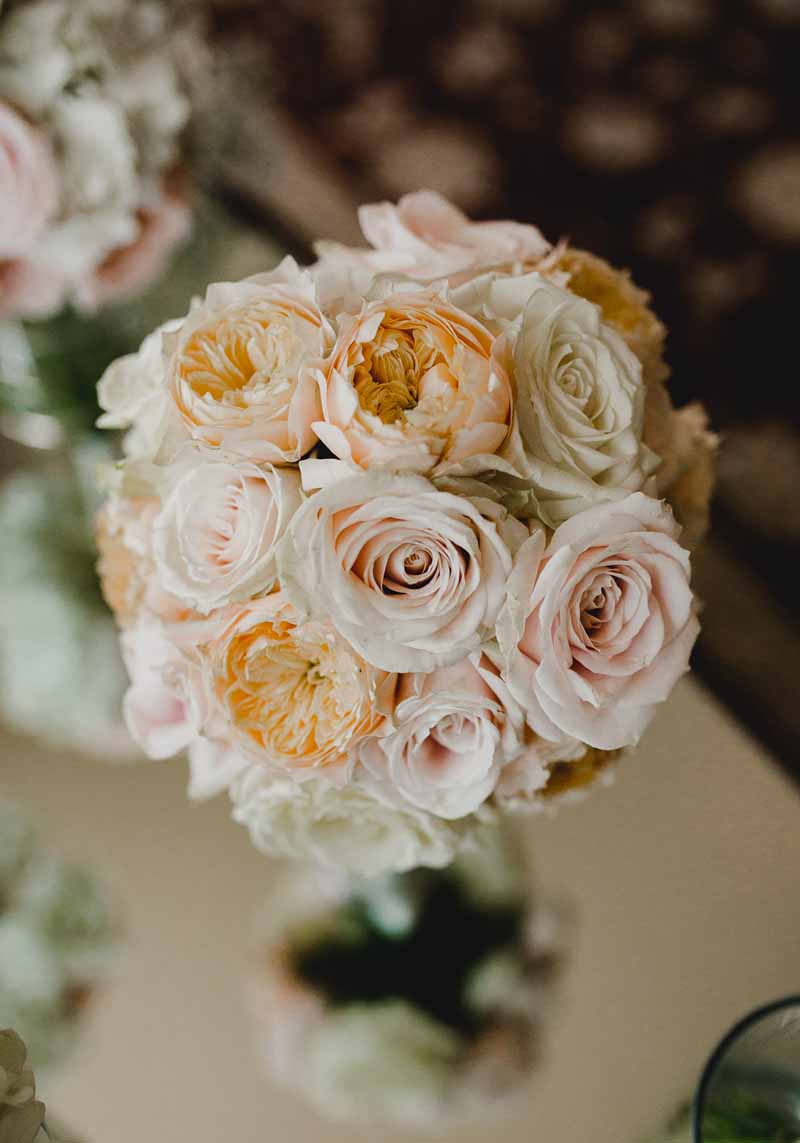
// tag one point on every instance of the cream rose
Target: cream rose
(412, 577)
(216, 537)
(411, 385)
(624, 306)
(238, 366)
(599, 623)
(28, 184)
(453, 730)
(580, 398)
(426, 237)
(133, 394)
(291, 694)
(348, 827)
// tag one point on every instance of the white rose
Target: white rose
(346, 827)
(453, 730)
(213, 767)
(580, 395)
(35, 61)
(133, 393)
(412, 577)
(386, 1060)
(215, 539)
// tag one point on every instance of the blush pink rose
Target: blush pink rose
(215, 540)
(128, 270)
(29, 187)
(599, 624)
(412, 577)
(425, 237)
(160, 707)
(453, 730)
(412, 384)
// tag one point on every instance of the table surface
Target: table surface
(684, 883)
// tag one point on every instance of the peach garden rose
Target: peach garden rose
(411, 385)
(291, 694)
(238, 367)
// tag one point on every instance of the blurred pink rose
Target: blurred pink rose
(30, 289)
(426, 237)
(599, 624)
(28, 184)
(128, 270)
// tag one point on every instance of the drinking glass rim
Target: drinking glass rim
(753, 1017)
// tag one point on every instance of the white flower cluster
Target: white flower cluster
(92, 110)
(56, 941)
(61, 676)
(390, 548)
(361, 1005)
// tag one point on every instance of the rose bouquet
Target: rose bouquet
(56, 941)
(397, 541)
(357, 1005)
(93, 105)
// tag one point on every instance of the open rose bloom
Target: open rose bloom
(358, 1008)
(401, 538)
(94, 104)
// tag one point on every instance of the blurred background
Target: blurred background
(662, 135)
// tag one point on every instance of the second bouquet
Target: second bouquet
(397, 543)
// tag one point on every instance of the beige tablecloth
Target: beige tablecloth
(684, 877)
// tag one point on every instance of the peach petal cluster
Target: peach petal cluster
(393, 546)
(411, 384)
